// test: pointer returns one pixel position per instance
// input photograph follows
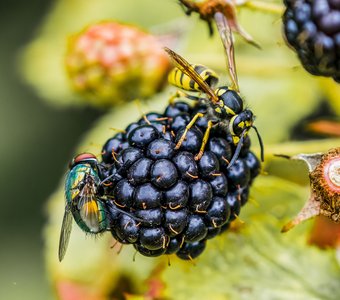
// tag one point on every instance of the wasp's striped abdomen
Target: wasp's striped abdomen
(183, 81)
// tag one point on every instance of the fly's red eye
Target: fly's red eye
(83, 157)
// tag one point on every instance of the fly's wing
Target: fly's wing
(188, 70)
(65, 232)
(227, 40)
(90, 212)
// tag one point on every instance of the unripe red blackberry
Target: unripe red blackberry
(324, 199)
(110, 62)
(178, 202)
(312, 28)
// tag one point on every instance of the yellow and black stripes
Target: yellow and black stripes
(183, 81)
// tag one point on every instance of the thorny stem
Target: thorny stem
(263, 6)
(311, 209)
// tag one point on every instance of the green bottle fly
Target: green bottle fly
(83, 200)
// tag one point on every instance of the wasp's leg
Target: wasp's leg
(192, 122)
(180, 94)
(173, 97)
(205, 140)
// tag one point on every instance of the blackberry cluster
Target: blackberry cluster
(175, 203)
(312, 28)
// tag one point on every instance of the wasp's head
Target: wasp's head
(239, 127)
(240, 124)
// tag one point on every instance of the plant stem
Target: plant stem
(263, 6)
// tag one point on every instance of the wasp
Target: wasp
(179, 79)
(224, 108)
(85, 200)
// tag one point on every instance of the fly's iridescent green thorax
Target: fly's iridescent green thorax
(81, 190)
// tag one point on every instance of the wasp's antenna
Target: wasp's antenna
(238, 149)
(260, 141)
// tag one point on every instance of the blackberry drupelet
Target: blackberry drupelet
(312, 28)
(178, 203)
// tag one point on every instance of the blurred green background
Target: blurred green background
(36, 141)
(38, 138)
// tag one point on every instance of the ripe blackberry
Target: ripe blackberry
(178, 202)
(312, 28)
(112, 146)
(147, 196)
(147, 252)
(175, 221)
(123, 193)
(218, 212)
(180, 121)
(150, 217)
(212, 232)
(191, 250)
(200, 195)
(142, 136)
(163, 174)
(160, 148)
(238, 174)
(174, 245)
(186, 165)
(193, 140)
(153, 238)
(177, 196)
(127, 229)
(139, 171)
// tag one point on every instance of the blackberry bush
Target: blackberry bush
(178, 203)
(312, 28)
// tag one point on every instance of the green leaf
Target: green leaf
(259, 262)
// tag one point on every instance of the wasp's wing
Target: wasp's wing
(188, 70)
(65, 232)
(227, 40)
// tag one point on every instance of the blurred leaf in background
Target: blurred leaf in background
(31, 156)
